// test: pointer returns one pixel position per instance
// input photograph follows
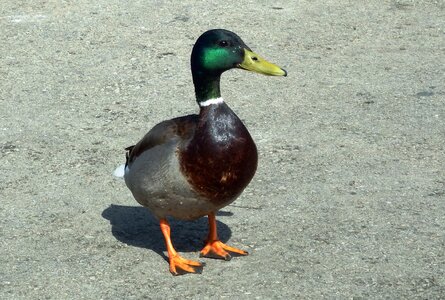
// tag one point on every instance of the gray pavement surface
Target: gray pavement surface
(349, 198)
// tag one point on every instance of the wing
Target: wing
(182, 127)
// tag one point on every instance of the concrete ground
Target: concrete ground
(349, 198)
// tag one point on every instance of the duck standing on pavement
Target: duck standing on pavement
(192, 166)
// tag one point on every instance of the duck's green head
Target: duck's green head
(219, 50)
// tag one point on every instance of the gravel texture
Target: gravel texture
(349, 198)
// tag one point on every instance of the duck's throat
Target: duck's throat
(206, 87)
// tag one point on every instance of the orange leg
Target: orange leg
(178, 264)
(214, 248)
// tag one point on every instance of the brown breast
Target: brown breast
(221, 158)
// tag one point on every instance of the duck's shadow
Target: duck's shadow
(135, 226)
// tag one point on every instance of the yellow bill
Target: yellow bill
(255, 63)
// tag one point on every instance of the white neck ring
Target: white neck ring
(218, 100)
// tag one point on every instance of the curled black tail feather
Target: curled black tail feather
(127, 154)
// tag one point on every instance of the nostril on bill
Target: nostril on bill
(255, 58)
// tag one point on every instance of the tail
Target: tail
(120, 171)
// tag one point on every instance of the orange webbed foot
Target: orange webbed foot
(217, 249)
(178, 264)
(181, 266)
(214, 248)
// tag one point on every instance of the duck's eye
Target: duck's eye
(223, 43)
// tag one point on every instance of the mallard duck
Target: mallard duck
(192, 166)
